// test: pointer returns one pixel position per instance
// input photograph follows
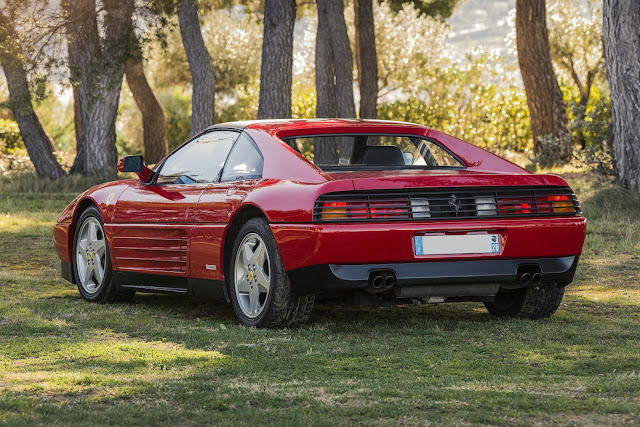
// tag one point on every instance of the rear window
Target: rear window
(375, 152)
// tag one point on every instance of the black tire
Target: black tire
(535, 302)
(279, 307)
(102, 290)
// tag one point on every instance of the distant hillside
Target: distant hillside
(481, 22)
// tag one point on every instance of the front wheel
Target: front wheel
(92, 263)
(260, 286)
(535, 302)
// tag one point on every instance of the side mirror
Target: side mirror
(134, 164)
(131, 164)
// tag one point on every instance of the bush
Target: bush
(553, 151)
(10, 139)
(599, 158)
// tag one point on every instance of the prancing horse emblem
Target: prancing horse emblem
(455, 203)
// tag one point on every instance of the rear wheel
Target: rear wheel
(529, 303)
(92, 263)
(260, 286)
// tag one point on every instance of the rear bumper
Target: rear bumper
(336, 277)
(307, 245)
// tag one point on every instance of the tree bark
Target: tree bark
(98, 68)
(277, 59)
(336, 77)
(366, 58)
(154, 119)
(38, 144)
(622, 53)
(203, 78)
(544, 98)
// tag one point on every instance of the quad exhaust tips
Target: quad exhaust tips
(382, 279)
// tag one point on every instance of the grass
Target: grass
(172, 360)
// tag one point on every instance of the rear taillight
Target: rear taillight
(515, 206)
(555, 204)
(343, 210)
(393, 210)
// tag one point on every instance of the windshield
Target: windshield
(376, 152)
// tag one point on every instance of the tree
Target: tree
(575, 37)
(546, 106)
(97, 55)
(37, 142)
(277, 59)
(334, 62)
(202, 75)
(154, 120)
(622, 52)
(366, 58)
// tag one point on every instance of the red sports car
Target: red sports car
(274, 215)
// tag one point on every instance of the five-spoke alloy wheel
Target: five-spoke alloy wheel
(251, 275)
(90, 255)
(91, 261)
(259, 285)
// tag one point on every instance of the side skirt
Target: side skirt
(158, 283)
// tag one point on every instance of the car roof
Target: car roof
(276, 126)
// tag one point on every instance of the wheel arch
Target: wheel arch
(81, 206)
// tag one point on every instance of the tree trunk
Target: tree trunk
(277, 59)
(544, 98)
(325, 74)
(154, 120)
(203, 78)
(98, 68)
(37, 142)
(366, 58)
(332, 45)
(622, 52)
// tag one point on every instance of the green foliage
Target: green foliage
(10, 138)
(553, 151)
(177, 106)
(303, 104)
(473, 101)
(441, 9)
(599, 158)
(593, 120)
(234, 42)
(575, 39)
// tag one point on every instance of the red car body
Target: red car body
(178, 238)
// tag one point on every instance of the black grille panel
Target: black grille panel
(449, 203)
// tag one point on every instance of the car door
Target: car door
(218, 202)
(153, 221)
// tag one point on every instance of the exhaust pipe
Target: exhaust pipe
(525, 278)
(536, 279)
(377, 282)
(389, 281)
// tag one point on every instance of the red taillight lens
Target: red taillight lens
(555, 204)
(343, 210)
(515, 206)
(391, 210)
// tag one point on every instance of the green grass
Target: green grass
(168, 360)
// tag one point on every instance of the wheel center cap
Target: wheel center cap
(251, 276)
(90, 255)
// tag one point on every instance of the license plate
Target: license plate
(455, 244)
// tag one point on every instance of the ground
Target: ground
(172, 360)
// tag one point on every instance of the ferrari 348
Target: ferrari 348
(274, 215)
